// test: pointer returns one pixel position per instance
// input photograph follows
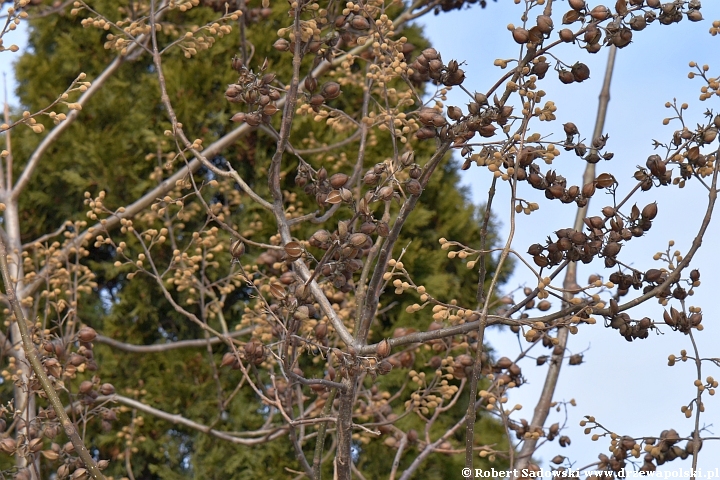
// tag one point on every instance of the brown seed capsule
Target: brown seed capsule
(360, 23)
(281, 45)
(107, 389)
(277, 291)
(656, 165)
(293, 250)
(87, 334)
(544, 24)
(577, 4)
(454, 113)
(600, 12)
(650, 211)
(413, 186)
(320, 331)
(580, 72)
(237, 249)
(383, 229)
(316, 100)
(556, 190)
(330, 90)
(566, 76)
(334, 197)
(357, 239)
(588, 190)
(638, 23)
(85, 386)
(611, 249)
(566, 35)
(710, 134)
(535, 249)
(426, 133)
(383, 349)
(386, 193)
(338, 180)
(238, 117)
(520, 35)
(227, 359)
(383, 368)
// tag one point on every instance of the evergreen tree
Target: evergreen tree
(117, 147)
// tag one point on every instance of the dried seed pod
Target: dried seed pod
(601, 12)
(650, 211)
(360, 23)
(338, 180)
(544, 306)
(413, 186)
(695, 275)
(107, 389)
(281, 45)
(520, 35)
(425, 133)
(710, 134)
(566, 35)
(293, 250)
(371, 178)
(566, 76)
(454, 113)
(386, 193)
(357, 239)
(577, 4)
(656, 165)
(87, 334)
(545, 24)
(580, 72)
(227, 359)
(277, 290)
(383, 368)
(535, 249)
(638, 23)
(588, 189)
(330, 90)
(383, 349)
(334, 197)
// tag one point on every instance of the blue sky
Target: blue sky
(627, 386)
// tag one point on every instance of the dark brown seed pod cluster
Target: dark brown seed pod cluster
(523, 428)
(255, 91)
(681, 321)
(326, 190)
(591, 155)
(448, 5)
(603, 238)
(315, 98)
(627, 16)
(348, 251)
(430, 64)
(507, 373)
(628, 328)
(481, 119)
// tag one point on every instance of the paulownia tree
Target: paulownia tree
(296, 248)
